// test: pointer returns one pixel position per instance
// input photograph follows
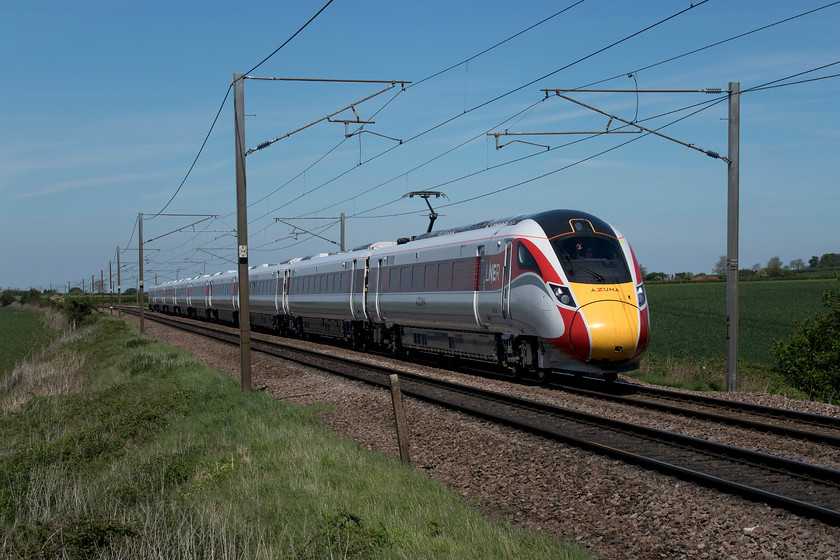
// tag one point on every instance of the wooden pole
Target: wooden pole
(399, 419)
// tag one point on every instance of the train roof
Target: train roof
(553, 222)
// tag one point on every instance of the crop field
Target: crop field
(689, 320)
(22, 333)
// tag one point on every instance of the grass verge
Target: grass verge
(709, 374)
(147, 453)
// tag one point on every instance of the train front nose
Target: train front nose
(605, 331)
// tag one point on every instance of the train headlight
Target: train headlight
(640, 295)
(563, 295)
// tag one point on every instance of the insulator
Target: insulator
(712, 154)
(263, 145)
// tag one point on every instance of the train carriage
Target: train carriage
(556, 290)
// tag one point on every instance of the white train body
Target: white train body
(558, 290)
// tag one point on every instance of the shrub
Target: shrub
(810, 360)
(33, 297)
(78, 309)
(6, 298)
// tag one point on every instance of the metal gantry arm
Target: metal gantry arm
(306, 231)
(329, 117)
(709, 153)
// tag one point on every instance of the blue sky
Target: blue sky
(106, 103)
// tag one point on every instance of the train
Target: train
(559, 290)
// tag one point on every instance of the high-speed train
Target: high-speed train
(555, 290)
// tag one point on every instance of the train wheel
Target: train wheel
(524, 357)
(393, 345)
(359, 340)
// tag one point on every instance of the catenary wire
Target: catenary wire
(762, 87)
(671, 59)
(200, 150)
(488, 49)
(721, 42)
(215, 120)
(510, 92)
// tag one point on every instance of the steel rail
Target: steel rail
(635, 396)
(799, 487)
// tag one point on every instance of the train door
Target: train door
(208, 294)
(378, 289)
(277, 281)
(507, 272)
(235, 296)
(354, 303)
(479, 264)
(364, 283)
(286, 286)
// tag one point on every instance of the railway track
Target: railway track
(815, 428)
(804, 489)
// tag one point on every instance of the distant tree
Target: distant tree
(830, 259)
(814, 261)
(655, 276)
(643, 270)
(33, 296)
(720, 267)
(774, 267)
(756, 267)
(683, 276)
(797, 264)
(130, 292)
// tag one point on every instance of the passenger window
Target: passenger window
(430, 273)
(417, 277)
(445, 275)
(405, 279)
(395, 279)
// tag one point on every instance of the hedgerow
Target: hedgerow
(810, 359)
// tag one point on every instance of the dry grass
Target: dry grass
(51, 372)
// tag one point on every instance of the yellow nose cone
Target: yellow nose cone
(613, 329)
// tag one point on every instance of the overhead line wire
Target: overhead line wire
(573, 164)
(287, 41)
(218, 113)
(712, 45)
(537, 154)
(200, 150)
(500, 43)
(215, 120)
(510, 92)
(403, 89)
(391, 100)
(622, 75)
(709, 104)
(768, 85)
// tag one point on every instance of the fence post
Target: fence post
(399, 418)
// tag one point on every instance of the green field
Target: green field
(688, 320)
(22, 334)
